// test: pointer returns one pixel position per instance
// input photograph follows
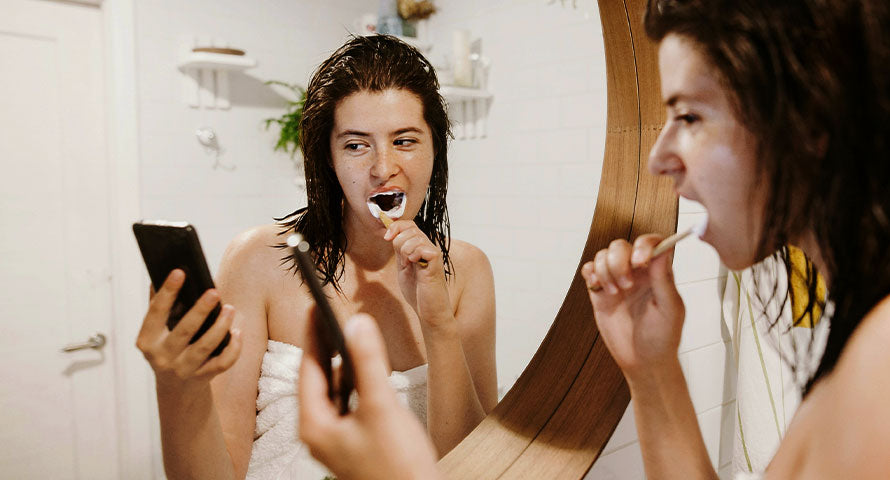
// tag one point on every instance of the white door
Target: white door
(57, 410)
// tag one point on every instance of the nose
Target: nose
(385, 164)
(664, 158)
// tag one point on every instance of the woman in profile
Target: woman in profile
(778, 123)
(374, 125)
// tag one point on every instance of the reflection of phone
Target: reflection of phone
(330, 336)
(169, 245)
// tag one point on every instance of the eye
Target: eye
(687, 118)
(354, 147)
(403, 142)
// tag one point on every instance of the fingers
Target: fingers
(155, 322)
(369, 357)
(617, 268)
(224, 360)
(197, 353)
(411, 243)
(182, 334)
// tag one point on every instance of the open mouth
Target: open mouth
(391, 203)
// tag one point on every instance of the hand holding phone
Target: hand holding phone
(328, 330)
(166, 246)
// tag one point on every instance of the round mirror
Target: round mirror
(559, 415)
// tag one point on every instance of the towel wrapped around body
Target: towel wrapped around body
(277, 452)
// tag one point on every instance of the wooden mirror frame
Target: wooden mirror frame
(560, 413)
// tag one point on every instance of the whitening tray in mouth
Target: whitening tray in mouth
(390, 203)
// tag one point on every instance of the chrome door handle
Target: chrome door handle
(97, 341)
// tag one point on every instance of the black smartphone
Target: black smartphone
(166, 246)
(328, 332)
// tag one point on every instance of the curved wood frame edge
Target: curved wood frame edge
(559, 415)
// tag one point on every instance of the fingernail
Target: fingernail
(638, 257)
(612, 289)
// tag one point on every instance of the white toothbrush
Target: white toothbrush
(698, 229)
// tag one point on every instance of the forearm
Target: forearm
(453, 406)
(668, 429)
(191, 435)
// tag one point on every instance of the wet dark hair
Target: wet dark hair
(811, 80)
(374, 63)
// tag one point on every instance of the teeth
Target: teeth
(391, 203)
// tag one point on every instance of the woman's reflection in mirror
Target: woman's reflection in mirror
(373, 123)
(778, 120)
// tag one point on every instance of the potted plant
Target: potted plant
(289, 122)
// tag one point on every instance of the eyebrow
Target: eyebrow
(673, 100)
(358, 133)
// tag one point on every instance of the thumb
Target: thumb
(369, 357)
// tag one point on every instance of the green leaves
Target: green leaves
(289, 122)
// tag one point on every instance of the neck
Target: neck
(365, 244)
(810, 246)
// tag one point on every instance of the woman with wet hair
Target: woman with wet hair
(374, 130)
(778, 123)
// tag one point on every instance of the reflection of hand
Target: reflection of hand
(423, 287)
(636, 305)
(380, 439)
(173, 359)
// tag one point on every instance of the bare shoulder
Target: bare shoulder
(473, 285)
(251, 256)
(467, 258)
(861, 386)
(847, 410)
(862, 367)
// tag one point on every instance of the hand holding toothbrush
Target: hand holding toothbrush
(636, 305)
(420, 263)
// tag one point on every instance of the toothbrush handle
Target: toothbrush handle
(669, 242)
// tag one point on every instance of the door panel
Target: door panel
(57, 409)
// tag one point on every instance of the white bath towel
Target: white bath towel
(277, 452)
(767, 392)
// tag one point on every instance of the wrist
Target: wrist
(173, 386)
(439, 327)
(654, 377)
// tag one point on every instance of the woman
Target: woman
(778, 124)
(373, 123)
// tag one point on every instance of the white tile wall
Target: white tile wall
(178, 181)
(525, 194)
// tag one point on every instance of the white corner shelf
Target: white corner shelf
(216, 61)
(468, 110)
(205, 75)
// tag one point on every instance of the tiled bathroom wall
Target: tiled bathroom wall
(525, 194)
(252, 184)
